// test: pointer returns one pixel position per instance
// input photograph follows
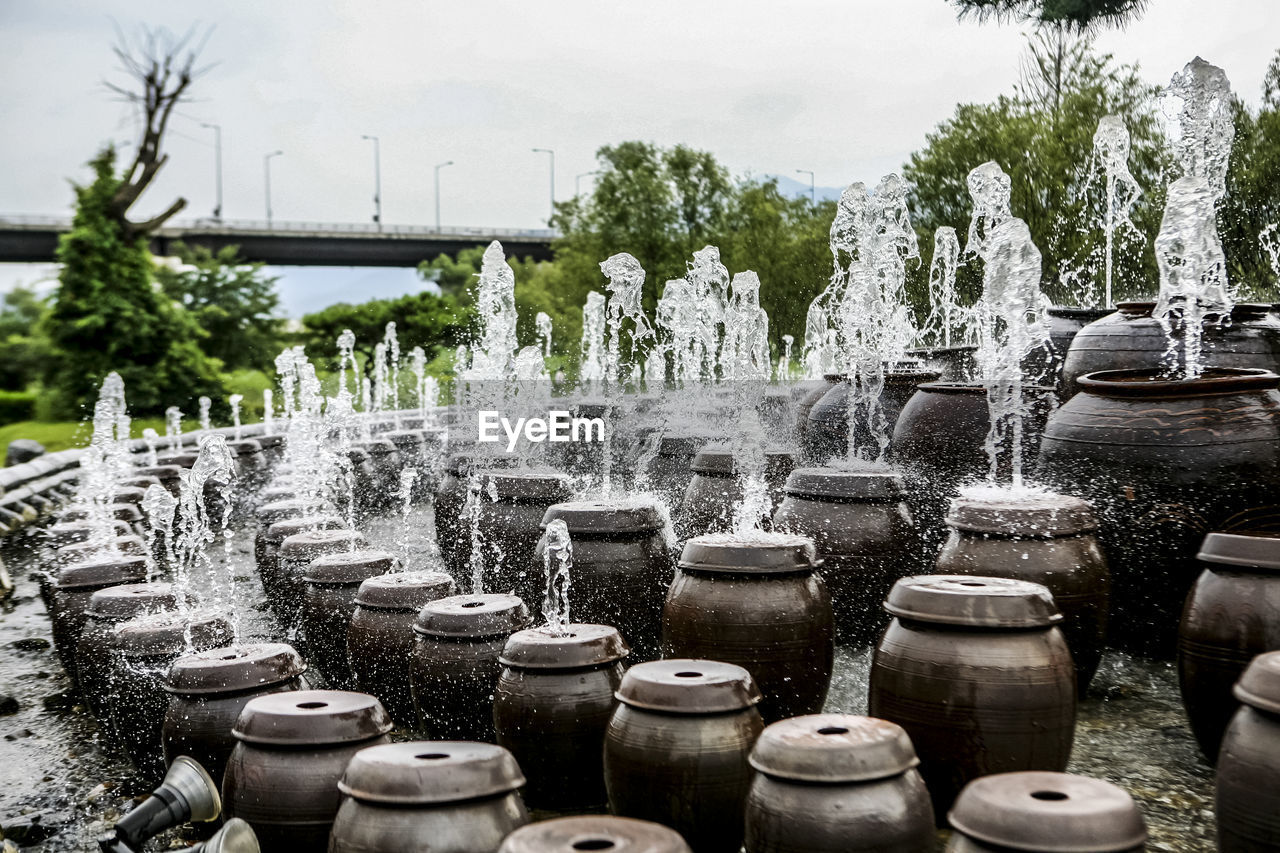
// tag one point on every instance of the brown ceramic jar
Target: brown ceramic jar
(328, 603)
(1038, 812)
(108, 608)
(291, 751)
(810, 399)
(594, 832)
(837, 783)
(1247, 799)
(858, 518)
(671, 470)
(980, 677)
(442, 796)
(74, 588)
(452, 534)
(454, 667)
(622, 566)
(755, 600)
(715, 490)
(296, 553)
(677, 749)
(1232, 615)
(826, 437)
(1044, 538)
(552, 705)
(208, 690)
(512, 504)
(268, 540)
(380, 638)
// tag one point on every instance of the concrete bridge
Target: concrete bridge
(34, 239)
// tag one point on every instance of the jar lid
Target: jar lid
(579, 645)
(234, 668)
(311, 718)
(172, 632)
(161, 472)
(718, 461)
(309, 544)
(349, 567)
(101, 570)
(865, 482)
(424, 772)
(491, 615)
(537, 485)
(285, 507)
(976, 601)
(833, 748)
(1034, 515)
(1259, 686)
(683, 444)
(408, 591)
(758, 552)
(141, 481)
(284, 528)
(462, 462)
(123, 602)
(1049, 812)
(72, 532)
(244, 447)
(1149, 383)
(607, 518)
(1250, 550)
(685, 686)
(594, 832)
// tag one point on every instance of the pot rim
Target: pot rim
(976, 388)
(1081, 312)
(1141, 383)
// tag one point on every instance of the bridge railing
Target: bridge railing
(242, 226)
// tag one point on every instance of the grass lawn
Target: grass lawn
(60, 435)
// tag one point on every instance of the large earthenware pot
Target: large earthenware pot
(442, 796)
(384, 460)
(622, 566)
(676, 751)
(328, 603)
(858, 518)
(594, 832)
(977, 672)
(715, 491)
(552, 705)
(75, 586)
(142, 650)
(267, 543)
(1043, 812)
(1131, 339)
(297, 552)
(1044, 538)
(453, 532)
(827, 435)
(130, 514)
(670, 471)
(755, 600)
(953, 363)
(291, 751)
(810, 399)
(380, 637)
(108, 608)
(1163, 463)
(416, 458)
(1247, 801)
(1044, 365)
(454, 667)
(208, 690)
(837, 783)
(512, 504)
(1232, 615)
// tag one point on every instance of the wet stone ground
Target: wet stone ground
(60, 788)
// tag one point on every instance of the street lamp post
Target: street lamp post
(553, 179)
(377, 181)
(439, 166)
(812, 195)
(266, 180)
(217, 167)
(577, 182)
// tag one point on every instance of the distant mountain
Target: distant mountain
(796, 189)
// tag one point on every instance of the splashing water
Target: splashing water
(106, 459)
(1197, 104)
(1270, 240)
(213, 472)
(625, 286)
(160, 507)
(784, 360)
(557, 565)
(593, 332)
(205, 403)
(991, 191)
(709, 293)
(173, 427)
(494, 342)
(151, 438)
(745, 354)
(391, 344)
(268, 411)
(542, 322)
(235, 400)
(1111, 156)
(347, 356)
(945, 310)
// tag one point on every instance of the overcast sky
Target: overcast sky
(846, 88)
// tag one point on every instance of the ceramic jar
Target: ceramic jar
(827, 435)
(73, 589)
(594, 832)
(108, 608)
(328, 603)
(552, 705)
(671, 469)
(837, 783)
(1247, 796)
(715, 490)
(512, 505)
(453, 535)
(677, 749)
(297, 553)
(756, 601)
(291, 751)
(977, 672)
(269, 539)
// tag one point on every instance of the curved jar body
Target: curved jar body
(827, 434)
(473, 826)
(452, 680)
(1247, 797)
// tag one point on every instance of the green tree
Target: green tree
(1076, 14)
(23, 349)
(1252, 203)
(233, 301)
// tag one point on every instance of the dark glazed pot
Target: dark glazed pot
(296, 554)
(328, 603)
(756, 601)
(142, 650)
(442, 796)
(715, 490)
(1131, 339)
(512, 504)
(552, 705)
(380, 638)
(266, 545)
(858, 518)
(836, 783)
(384, 460)
(1247, 800)
(208, 690)
(672, 468)
(454, 667)
(75, 587)
(953, 363)
(594, 832)
(676, 751)
(809, 400)
(1044, 538)
(453, 535)
(1044, 365)
(827, 435)
(1163, 463)
(1050, 812)
(108, 608)
(622, 566)
(977, 673)
(282, 777)
(1232, 615)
